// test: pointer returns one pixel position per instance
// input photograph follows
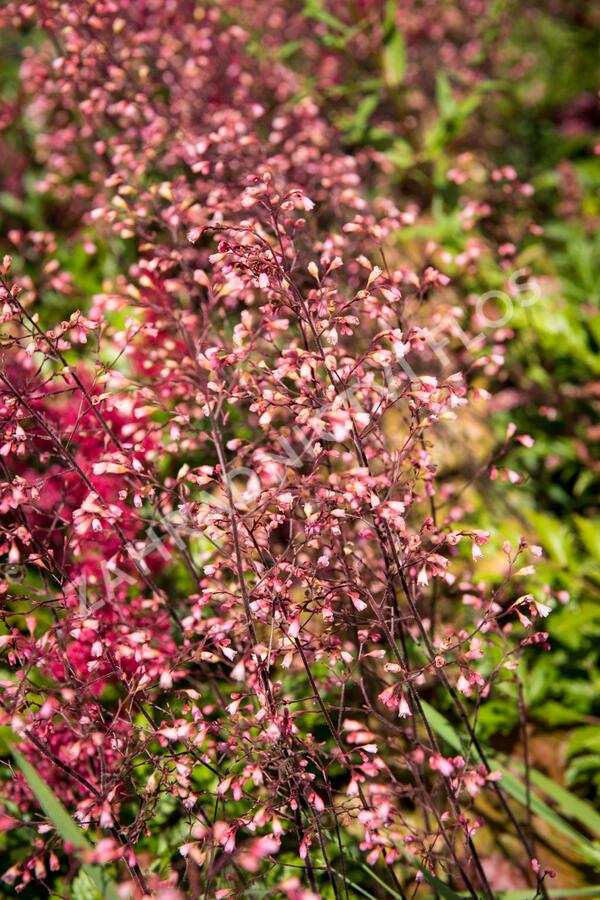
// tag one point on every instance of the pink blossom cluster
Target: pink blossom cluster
(233, 572)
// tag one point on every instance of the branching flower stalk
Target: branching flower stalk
(226, 535)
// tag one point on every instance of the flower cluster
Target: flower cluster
(233, 573)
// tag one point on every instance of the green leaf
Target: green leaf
(568, 803)
(52, 806)
(68, 829)
(394, 59)
(356, 125)
(565, 893)
(554, 535)
(557, 715)
(355, 886)
(584, 739)
(517, 790)
(444, 96)
(442, 727)
(82, 888)
(401, 154)
(314, 9)
(589, 531)
(385, 886)
(442, 889)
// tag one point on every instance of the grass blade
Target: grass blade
(439, 887)
(513, 786)
(385, 886)
(569, 804)
(557, 894)
(68, 829)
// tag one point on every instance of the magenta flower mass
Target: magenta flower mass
(279, 462)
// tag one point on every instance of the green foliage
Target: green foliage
(83, 888)
(394, 48)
